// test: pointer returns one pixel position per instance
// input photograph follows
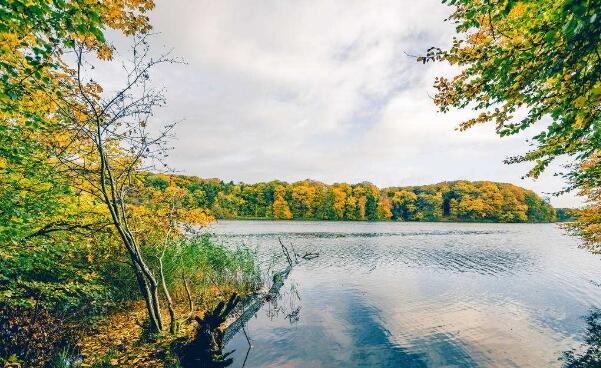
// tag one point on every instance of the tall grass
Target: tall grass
(211, 269)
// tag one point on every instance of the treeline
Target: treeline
(311, 200)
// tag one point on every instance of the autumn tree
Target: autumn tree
(280, 208)
(403, 205)
(530, 63)
(429, 206)
(372, 197)
(34, 38)
(157, 223)
(92, 141)
(457, 201)
(587, 221)
(303, 201)
(340, 193)
(114, 144)
(384, 209)
(49, 222)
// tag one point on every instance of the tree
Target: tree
(34, 37)
(303, 199)
(250, 199)
(472, 209)
(543, 56)
(281, 210)
(372, 197)
(540, 60)
(339, 192)
(429, 206)
(588, 221)
(403, 205)
(52, 228)
(108, 144)
(384, 209)
(359, 193)
(157, 222)
(514, 208)
(351, 205)
(480, 201)
(227, 205)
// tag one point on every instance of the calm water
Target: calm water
(419, 295)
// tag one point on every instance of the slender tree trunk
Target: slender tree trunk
(105, 117)
(188, 294)
(172, 321)
(145, 278)
(156, 304)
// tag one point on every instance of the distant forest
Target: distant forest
(479, 201)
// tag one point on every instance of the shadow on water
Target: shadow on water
(589, 354)
(206, 349)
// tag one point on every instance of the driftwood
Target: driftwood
(293, 256)
(217, 327)
(255, 303)
(309, 256)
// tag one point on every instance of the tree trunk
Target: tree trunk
(146, 280)
(172, 321)
(156, 305)
(155, 325)
(188, 294)
(112, 188)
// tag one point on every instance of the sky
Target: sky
(322, 90)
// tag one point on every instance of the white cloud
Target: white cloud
(321, 90)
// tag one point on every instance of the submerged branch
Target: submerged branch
(254, 304)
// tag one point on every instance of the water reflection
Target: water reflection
(369, 342)
(286, 305)
(420, 295)
(589, 354)
(355, 333)
(451, 255)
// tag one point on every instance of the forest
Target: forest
(99, 259)
(478, 201)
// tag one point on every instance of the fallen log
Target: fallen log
(253, 304)
(256, 303)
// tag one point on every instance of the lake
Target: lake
(418, 295)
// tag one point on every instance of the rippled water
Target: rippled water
(419, 295)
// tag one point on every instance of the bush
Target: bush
(32, 336)
(47, 288)
(55, 275)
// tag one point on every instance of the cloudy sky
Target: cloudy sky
(322, 90)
